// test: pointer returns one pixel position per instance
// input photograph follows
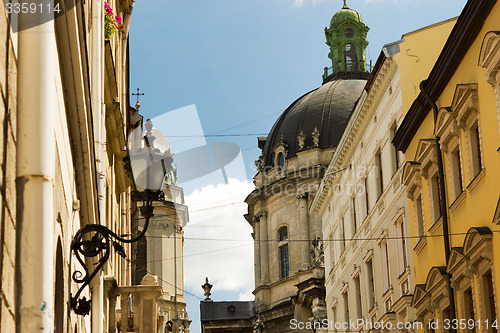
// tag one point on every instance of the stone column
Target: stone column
(124, 312)
(112, 314)
(264, 248)
(257, 246)
(305, 247)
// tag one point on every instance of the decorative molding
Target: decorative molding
(368, 256)
(411, 177)
(436, 227)
(476, 180)
(315, 136)
(489, 56)
(458, 201)
(446, 127)
(301, 140)
(426, 155)
(422, 242)
(465, 103)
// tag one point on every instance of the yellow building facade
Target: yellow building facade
(450, 137)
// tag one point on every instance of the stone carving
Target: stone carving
(315, 135)
(260, 163)
(301, 139)
(258, 325)
(207, 287)
(317, 253)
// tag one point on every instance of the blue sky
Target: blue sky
(241, 63)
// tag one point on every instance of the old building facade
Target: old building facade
(450, 137)
(162, 256)
(364, 210)
(66, 119)
(289, 267)
(362, 203)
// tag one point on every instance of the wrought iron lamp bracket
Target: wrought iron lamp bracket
(95, 240)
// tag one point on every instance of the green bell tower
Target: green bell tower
(346, 38)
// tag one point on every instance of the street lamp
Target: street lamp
(150, 163)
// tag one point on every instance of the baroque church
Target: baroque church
(288, 251)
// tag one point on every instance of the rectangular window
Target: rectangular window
(367, 205)
(354, 218)
(456, 169)
(371, 283)
(395, 153)
(489, 298)
(469, 307)
(385, 266)
(357, 285)
(284, 261)
(419, 215)
(436, 197)
(342, 231)
(345, 297)
(331, 244)
(380, 177)
(475, 145)
(403, 259)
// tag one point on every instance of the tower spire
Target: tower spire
(346, 38)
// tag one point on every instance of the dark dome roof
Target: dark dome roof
(328, 108)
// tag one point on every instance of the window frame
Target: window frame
(379, 173)
(283, 258)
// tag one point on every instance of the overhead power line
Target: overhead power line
(324, 240)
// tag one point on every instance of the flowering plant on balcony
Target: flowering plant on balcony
(111, 22)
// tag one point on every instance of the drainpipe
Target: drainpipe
(97, 75)
(36, 97)
(442, 193)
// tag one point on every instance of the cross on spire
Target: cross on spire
(138, 94)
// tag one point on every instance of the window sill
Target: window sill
(436, 227)
(422, 242)
(458, 201)
(472, 185)
(373, 310)
(380, 205)
(404, 276)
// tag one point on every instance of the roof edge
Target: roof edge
(465, 31)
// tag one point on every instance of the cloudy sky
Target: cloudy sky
(229, 68)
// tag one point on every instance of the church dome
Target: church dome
(344, 15)
(325, 111)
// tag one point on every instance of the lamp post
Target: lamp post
(149, 165)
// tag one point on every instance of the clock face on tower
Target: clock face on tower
(348, 32)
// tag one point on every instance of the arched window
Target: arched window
(281, 161)
(283, 252)
(348, 32)
(283, 234)
(350, 57)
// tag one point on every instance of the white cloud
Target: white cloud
(300, 3)
(393, 1)
(216, 212)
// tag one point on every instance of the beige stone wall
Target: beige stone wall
(8, 74)
(368, 227)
